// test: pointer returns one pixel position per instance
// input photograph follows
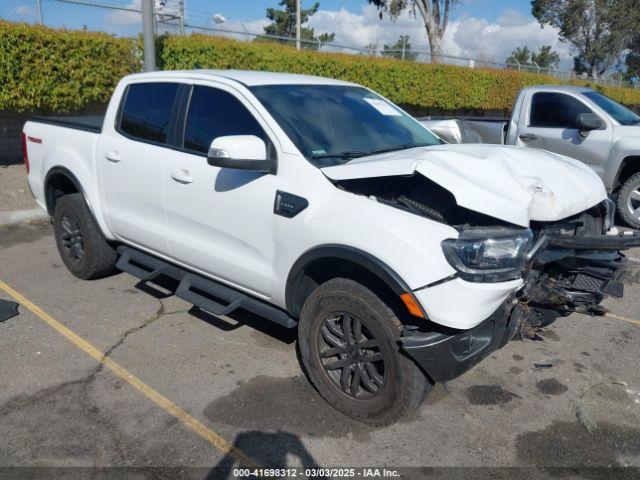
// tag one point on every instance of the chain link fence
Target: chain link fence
(124, 18)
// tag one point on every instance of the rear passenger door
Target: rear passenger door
(220, 220)
(132, 159)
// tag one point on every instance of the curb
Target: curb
(19, 216)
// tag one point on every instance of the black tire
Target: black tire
(629, 201)
(401, 385)
(81, 244)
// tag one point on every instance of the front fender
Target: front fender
(409, 245)
(623, 148)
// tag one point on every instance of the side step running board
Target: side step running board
(202, 292)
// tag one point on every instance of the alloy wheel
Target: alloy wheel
(351, 356)
(72, 240)
(633, 201)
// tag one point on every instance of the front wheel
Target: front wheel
(348, 345)
(629, 201)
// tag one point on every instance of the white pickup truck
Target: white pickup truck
(574, 121)
(322, 206)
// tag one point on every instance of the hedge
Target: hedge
(62, 70)
(433, 86)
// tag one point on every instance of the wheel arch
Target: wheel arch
(629, 166)
(322, 263)
(60, 181)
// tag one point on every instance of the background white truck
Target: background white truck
(574, 121)
(321, 206)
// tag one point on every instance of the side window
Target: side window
(215, 113)
(146, 112)
(555, 110)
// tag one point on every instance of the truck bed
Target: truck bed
(468, 129)
(61, 142)
(89, 123)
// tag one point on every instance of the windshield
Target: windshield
(332, 124)
(622, 114)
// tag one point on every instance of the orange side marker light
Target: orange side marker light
(412, 305)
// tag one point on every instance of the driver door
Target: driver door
(552, 127)
(220, 220)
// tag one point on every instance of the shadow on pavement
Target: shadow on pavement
(268, 450)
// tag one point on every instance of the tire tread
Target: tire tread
(621, 202)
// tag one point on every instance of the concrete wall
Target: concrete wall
(10, 128)
(11, 124)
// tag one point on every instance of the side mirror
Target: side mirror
(242, 152)
(585, 122)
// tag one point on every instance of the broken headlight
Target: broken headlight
(489, 254)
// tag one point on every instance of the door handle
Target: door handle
(525, 137)
(181, 176)
(113, 157)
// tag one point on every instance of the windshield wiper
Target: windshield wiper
(404, 146)
(349, 154)
(344, 155)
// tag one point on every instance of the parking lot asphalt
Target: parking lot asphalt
(168, 386)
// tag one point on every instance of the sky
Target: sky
(254, 9)
(481, 29)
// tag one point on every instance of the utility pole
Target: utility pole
(39, 11)
(181, 17)
(148, 37)
(404, 45)
(298, 25)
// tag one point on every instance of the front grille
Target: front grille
(591, 222)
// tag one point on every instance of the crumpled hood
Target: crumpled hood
(513, 184)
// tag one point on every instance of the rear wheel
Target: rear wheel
(83, 248)
(629, 201)
(348, 344)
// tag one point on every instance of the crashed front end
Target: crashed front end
(568, 266)
(535, 241)
(573, 265)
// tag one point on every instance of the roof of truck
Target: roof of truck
(246, 77)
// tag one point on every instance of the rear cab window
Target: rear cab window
(146, 111)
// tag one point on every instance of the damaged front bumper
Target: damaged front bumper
(565, 274)
(448, 353)
(618, 241)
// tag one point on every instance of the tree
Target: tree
(371, 49)
(599, 30)
(545, 58)
(284, 25)
(434, 14)
(520, 56)
(632, 60)
(401, 49)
